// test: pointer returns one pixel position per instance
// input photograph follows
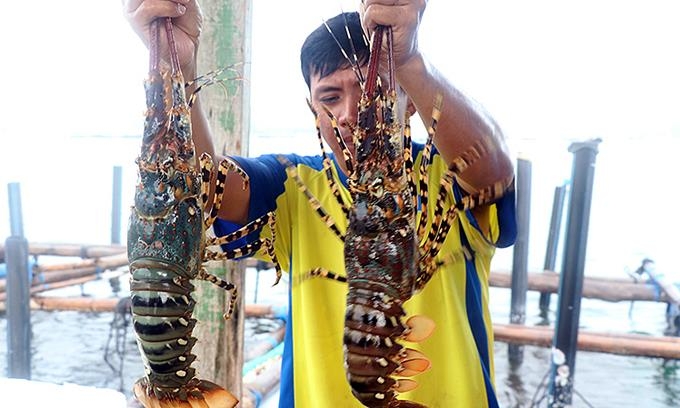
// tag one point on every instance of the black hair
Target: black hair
(322, 55)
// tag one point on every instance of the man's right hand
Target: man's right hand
(187, 21)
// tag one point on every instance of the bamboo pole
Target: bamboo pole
(103, 263)
(56, 303)
(607, 289)
(61, 272)
(261, 382)
(611, 343)
(60, 280)
(79, 250)
(225, 41)
(595, 287)
(266, 344)
(81, 304)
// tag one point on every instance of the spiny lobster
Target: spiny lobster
(167, 243)
(388, 256)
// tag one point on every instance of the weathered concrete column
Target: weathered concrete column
(572, 274)
(552, 246)
(520, 259)
(116, 202)
(225, 41)
(17, 289)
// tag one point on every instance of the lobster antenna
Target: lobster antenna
(174, 59)
(153, 46)
(357, 72)
(351, 44)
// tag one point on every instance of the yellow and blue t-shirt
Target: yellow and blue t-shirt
(456, 298)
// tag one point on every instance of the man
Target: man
(457, 296)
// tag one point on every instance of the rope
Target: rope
(115, 356)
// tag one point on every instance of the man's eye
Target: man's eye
(327, 100)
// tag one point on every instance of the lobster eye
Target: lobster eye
(376, 188)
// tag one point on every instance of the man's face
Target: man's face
(340, 93)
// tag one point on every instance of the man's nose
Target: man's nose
(348, 116)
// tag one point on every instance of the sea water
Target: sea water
(90, 349)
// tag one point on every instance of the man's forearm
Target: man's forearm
(462, 125)
(235, 203)
(201, 132)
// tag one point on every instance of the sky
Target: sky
(550, 72)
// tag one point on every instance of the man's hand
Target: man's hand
(403, 16)
(187, 22)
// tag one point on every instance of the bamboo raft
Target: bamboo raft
(95, 259)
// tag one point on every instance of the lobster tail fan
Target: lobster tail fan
(205, 395)
(419, 328)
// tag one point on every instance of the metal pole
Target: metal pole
(18, 296)
(116, 204)
(520, 260)
(551, 250)
(571, 277)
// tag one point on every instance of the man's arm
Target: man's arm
(236, 199)
(461, 125)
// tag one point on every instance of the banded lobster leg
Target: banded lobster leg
(207, 173)
(430, 245)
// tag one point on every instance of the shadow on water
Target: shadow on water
(668, 379)
(514, 380)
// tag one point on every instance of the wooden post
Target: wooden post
(520, 259)
(18, 297)
(225, 41)
(551, 250)
(571, 276)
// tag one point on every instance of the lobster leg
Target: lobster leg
(251, 248)
(321, 273)
(224, 167)
(228, 286)
(313, 201)
(327, 162)
(424, 162)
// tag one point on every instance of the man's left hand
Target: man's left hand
(403, 16)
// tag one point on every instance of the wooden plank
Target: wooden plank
(224, 42)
